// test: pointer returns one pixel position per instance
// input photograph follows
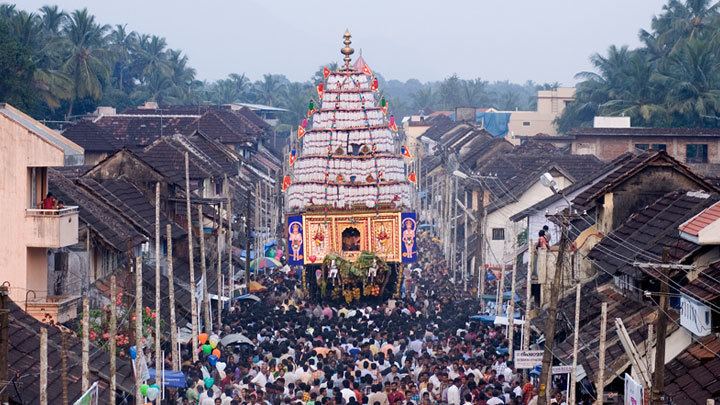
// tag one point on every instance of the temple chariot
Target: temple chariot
(350, 223)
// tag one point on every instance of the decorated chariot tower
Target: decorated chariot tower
(350, 221)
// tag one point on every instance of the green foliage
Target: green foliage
(16, 70)
(672, 80)
(67, 63)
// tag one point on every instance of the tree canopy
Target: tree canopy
(59, 64)
(672, 80)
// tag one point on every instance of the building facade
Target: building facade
(30, 229)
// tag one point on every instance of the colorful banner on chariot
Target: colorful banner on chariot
(296, 241)
(408, 230)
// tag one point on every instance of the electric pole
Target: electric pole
(550, 323)
(247, 241)
(658, 385)
(4, 326)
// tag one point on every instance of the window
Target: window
(526, 123)
(37, 179)
(659, 146)
(696, 153)
(642, 146)
(498, 234)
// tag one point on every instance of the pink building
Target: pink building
(28, 230)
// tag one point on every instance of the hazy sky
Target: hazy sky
(541, 40)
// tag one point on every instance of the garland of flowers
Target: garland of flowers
(99, 324)
(353, 277)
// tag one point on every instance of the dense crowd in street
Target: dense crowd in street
(418, 349)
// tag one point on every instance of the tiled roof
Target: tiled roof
(214, 152)
(167, 156)
(515, 173)
(440, 125)
(651, 229)
(599, 174)
(132, 204)
(693, 376)
(24, 361)
(102, 218)
(479, 148)
(137, 130)
(253, 118)
(705, 287)
(92, 137)
(697, 223)
(674, 132)
(636, 316)
(226, 126)
(240, 118)
(630, 168)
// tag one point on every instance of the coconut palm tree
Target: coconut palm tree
(86, 65)
(53, 19)
(640, 96)
(153, 56)
(122, 45)
(270, 90)
(692, 77)
(424, 100)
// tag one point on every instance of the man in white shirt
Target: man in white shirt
(453, 393)
(346, 392)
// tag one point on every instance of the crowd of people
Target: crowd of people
(421, 348)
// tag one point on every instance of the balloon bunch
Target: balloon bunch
(150, 391)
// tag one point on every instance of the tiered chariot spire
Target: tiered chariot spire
(348, 155)
(349, 223)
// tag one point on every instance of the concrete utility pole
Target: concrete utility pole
(600, 383)
(573, 374)
(551, 322)
(528, 295)
(85, 342)
(139, 347)
(219, 268)
(4, 326)
(171, 293)
(112, 344)
(658, 384)
(228, 247)
(511, 308)
(191, 262)
(247, 241)
(44, 365)
(465, 242)
(64, 365)
(203, 270)
(158, 349)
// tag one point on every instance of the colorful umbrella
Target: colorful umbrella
(264, 263)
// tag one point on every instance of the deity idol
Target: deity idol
(408, 238)
(296, 240)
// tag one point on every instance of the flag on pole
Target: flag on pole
(412, 177)
(406, 152)
(326, 72)
(392, 125)
(286, 182)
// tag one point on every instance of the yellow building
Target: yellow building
(550, 105)
(28, 231)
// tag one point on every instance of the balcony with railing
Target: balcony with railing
(51, 228)
(52, 308)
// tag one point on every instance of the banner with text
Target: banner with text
(527, 358)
